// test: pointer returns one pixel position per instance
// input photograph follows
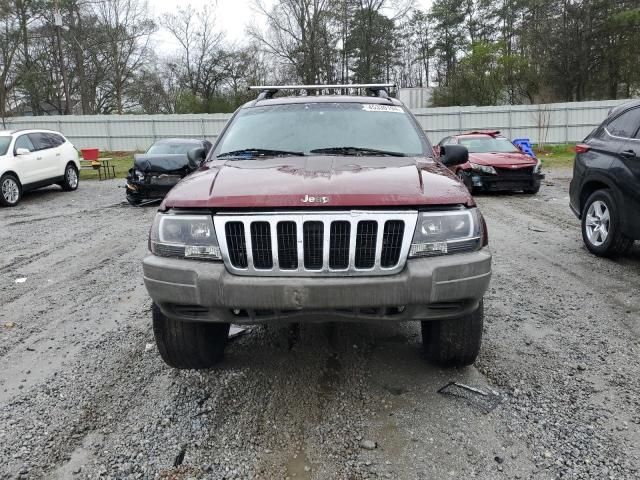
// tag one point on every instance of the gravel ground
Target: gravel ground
(84, 394)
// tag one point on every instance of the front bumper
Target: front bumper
(429, 288)
(511, 182)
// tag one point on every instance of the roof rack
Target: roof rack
(378, 89)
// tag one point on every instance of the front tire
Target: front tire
(601, 225)
(189, 345)
(10, 190)
(455, 342)
(71, 178)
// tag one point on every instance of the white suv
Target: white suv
(31, 159)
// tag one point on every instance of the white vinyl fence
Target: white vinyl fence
(548, 123)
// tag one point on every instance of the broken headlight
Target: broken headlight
(443, 232)
(138, 175)
(184, 236)
(483, 168)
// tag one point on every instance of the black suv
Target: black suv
(605, 189)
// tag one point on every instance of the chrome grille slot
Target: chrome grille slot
(261, 245)
(391, 242)
(366, 244)
(236, 243)
(334, 243)
(287, 246)
(339, 245)
(313, 239)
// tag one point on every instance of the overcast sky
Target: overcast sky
(231, 15)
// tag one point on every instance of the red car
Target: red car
(495, 164)
(319, 208)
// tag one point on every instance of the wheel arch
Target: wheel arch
(593, 185)
(11, 172)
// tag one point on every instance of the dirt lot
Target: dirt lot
(83, 392)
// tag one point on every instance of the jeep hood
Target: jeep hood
(342, 181)
(502, 159)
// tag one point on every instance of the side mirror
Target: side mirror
(451, 155)
(196, 156)
(22, 151)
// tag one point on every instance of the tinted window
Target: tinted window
(626, 125)
(4, 144)
(303, 127)
(488, 145)
(24, 141)
(42, 141)
(54, 139)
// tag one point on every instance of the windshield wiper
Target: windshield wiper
(357, 151)
(257, 152)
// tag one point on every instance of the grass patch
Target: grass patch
(121, 160)
(553, 156)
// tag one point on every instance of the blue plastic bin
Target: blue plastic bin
(525, 146)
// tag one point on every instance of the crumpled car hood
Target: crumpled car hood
(161, 163)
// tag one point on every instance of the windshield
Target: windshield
(488, 145)
(4, 144)
(304, 128)
(172, 148)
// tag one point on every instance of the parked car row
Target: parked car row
(334, 208)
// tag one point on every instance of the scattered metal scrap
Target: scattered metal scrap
(236, 331)
(485, 401)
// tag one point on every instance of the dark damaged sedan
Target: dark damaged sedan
(164, 164)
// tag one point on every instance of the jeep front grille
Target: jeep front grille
(309, 244)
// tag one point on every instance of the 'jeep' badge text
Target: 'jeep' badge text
(309, 199)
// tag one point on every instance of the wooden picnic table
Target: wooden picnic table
(103, 165)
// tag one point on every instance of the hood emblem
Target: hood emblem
(310, 199)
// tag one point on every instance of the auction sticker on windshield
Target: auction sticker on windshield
(372, 107)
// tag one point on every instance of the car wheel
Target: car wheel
(10, 190)
(71, 179)
(601, 226)
(189, 345)
(454, 342)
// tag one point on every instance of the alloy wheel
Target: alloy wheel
(72, 177)
(597, 223)
(10, 190)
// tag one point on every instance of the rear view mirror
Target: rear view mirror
(196, 156)
(22, 151)
(452, 155)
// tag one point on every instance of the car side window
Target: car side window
(444, 141)
(23, 141)
(625, 125)
(41, 141)
(56, 140)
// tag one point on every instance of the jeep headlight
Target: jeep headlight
(443, 232)
(184, 236)
(483, 168)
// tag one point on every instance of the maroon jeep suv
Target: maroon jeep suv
(319, 208)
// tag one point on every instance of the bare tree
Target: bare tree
(298, 33)
(9, 41)
(126, 30)
(201, 61)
